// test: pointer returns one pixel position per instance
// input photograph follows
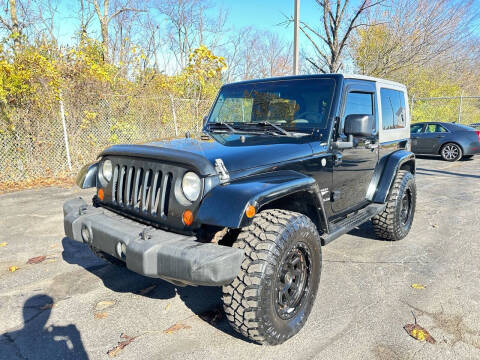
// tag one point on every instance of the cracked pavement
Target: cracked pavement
(51, 309)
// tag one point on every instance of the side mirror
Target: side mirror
(358, 125)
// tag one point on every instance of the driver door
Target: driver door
(353, 168)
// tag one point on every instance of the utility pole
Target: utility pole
(460, 109)
(295, 37)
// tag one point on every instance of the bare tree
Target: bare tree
(105, 17)
(12, 23)
(329, 40)
(255, 54)
(413, 33)
(189, 26)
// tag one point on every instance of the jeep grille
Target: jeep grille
(141, 190)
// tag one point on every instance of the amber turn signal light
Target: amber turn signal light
(101, 194)
(250, 212)
(187, 217)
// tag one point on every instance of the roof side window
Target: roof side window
(393, 109)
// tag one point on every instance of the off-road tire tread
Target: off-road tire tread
(383, 223)
(262, 243)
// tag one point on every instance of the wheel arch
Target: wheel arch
(385, 173)
(225, 205)
(450, 142)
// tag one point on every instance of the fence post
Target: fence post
(460, 109)
(411, 107)
(174, 115)
(65, 137)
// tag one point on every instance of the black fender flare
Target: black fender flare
(385, 173)
(87, 176)
(225, 204)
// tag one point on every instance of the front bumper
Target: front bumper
(149, 251)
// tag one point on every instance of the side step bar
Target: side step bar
(349, 223)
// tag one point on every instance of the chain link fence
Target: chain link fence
(70, 133)
(461, 109)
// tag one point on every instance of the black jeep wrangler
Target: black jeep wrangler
(283, 166)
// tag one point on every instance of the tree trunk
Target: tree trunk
(15, 27)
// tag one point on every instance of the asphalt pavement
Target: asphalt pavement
(74, 305)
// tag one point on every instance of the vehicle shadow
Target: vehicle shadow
(428, 172)
(365, 231)
(204, 301)
(35, 341)
(439, 158)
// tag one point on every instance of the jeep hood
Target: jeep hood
(237, 155)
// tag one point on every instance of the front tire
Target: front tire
(273, 294)
(395, 221)
(451, 152)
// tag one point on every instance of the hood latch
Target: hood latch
(221, 171)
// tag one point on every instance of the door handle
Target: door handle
(338, 159)
(440, 136)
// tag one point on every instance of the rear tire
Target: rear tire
(272, 296)
(451, 152)
(395, 221)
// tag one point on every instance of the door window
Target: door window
(360, 103)
(415, 129)
(393, 109)
(435, 128)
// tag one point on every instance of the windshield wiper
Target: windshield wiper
(220, 126)
(276, 127)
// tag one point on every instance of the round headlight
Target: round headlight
(191, 186)
(107, 168)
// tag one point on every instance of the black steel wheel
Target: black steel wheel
(273, 294)
(451, 152)
(395, 221)
(293, 281)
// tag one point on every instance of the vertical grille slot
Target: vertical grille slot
(146, 189)
(121, 184)
(129, 186)
(155, 192)
(166, 185)
(137, 187)
(114, 184)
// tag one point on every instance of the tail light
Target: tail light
(478, 135)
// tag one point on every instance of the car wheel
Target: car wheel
(395, 221)
(451, 152)
(272, 296)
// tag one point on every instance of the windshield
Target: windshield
(293, 104)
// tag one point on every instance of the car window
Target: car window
(416, 128)
(435, 128)
(393, 109)
(359, 103)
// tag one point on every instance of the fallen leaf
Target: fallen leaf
(176, 327)
(419, 333)
(47, 306)
(2, 244)
(147, 290)
(36, 259)
(169, 305)
(121, 344)
(418, 286)
(105, 304)
(13, 268)
(211, 317)
(101, 315)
